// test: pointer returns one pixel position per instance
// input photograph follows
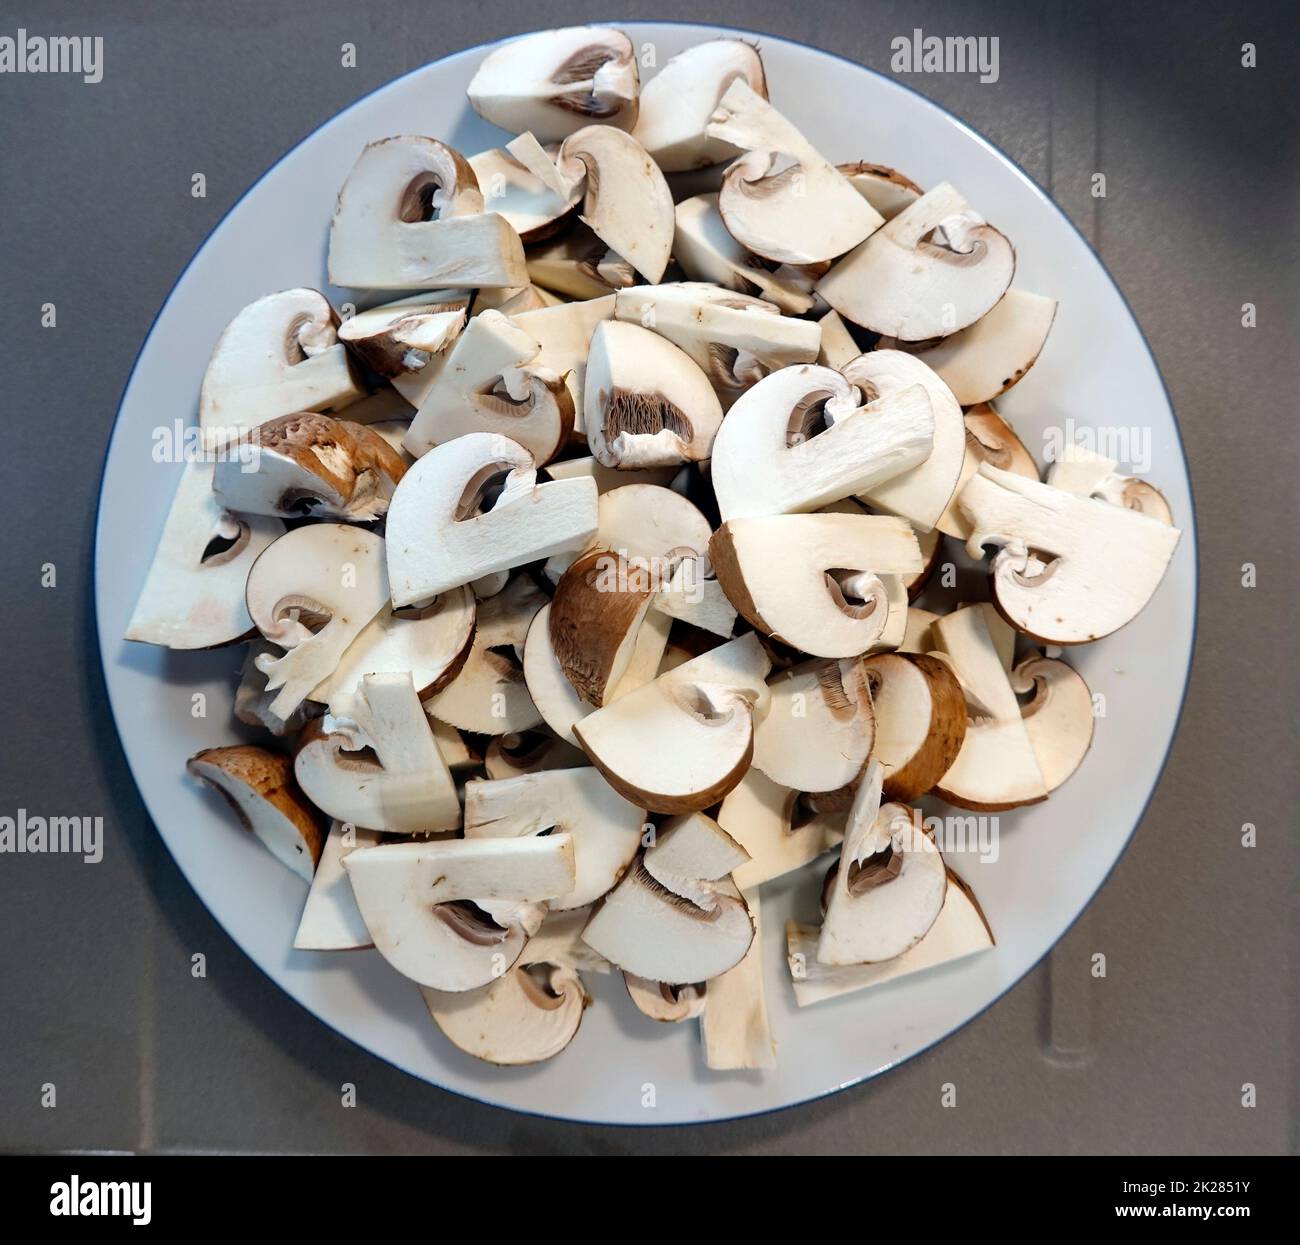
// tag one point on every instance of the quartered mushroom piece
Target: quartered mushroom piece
(534, 208)
(193, 595)
(554, 82)
(279, 355)
(1081, 471)
(886, 189)
(410, 216)
(761, 816)
(664, 1003)
(564, 334)
(678, 103)
(402, 338)
(330, 919)
(310, 466)
(989, 439)
(259, 785)
(578, 265)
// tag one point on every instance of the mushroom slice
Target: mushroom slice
(279, 355)
(309, 465)
(564, 335)
(433, 646)
(920, 714)
(707, 252)
(1079, 470)
(1073, 569)
(771, 455)
(606, 828)
(401, 338)
(922, 494)
(578, 265)
(692, 597)
(690, 853)
(410, 216)
(489, 694)
(683, 741)
(423, 903)
(527, 1015)
(452, 747)
(553, 694)
(402, 785)
(595, 616)
(917, 637)
(311, 593)
(996, 767)
(996, 351)
(837, 345)
(664, 1003)
(331, 921)
(933, 270)
(678, 103)
(758, 813)
(559, 941)
(609, 478)
(515, 300)
(779, 572)
(646, 403)
(733, 1027)
(782, 199)
(259, 786)
(553, 82)
(818, 733)
(534, 209)
(492, 383)
(441, 535)
(886, 189)
(1058, 717)
(960, 930)
(529, 752)
(734, 339)
(989, 439)
(626, 202)
(889, 885)
(252, 700)
(193, 596)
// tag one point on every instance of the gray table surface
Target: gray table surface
(1199, 153)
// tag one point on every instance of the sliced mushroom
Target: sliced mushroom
(330, 920)
(769, 456)
(819, 730)
(401, 339)
(779, 572)
(311, 593)
(492, 383)
(410, 216)
(931, 271)
(433, 646)
(559, 942)
(527, 1015)
(989, 439)
(664, 1003)
(513, 301)
(734, 339)
(920, 714)
(707, 252)
(1072, 569)
(917, 637)
(1058, 717)
(535, 209)
(529, 752)
(489, 694)
(889, 885)
(922, 494)
(252, 700)
(679, 101)
(452, 747)
(700, 718)
(423, 903)
(626, 202)
(279, 355)
(372, 761)
(960, 930)
(578, 265)
(193, 596)
(441, 535)
(837, 344)
(886, 189)
(309, 465)
(609, 478)
(564, 334)
(733, 1027)
(553, 82)
(996, 767)
(690, 853)
(1079, 470)
(606, 828)
(995, 352)
(759, 814)
(782, 199)
(259, 786)
(646, 403)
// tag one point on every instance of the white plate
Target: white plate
(1053, 858)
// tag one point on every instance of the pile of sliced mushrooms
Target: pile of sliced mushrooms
(577, 571)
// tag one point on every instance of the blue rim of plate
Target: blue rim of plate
(1191, 527)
